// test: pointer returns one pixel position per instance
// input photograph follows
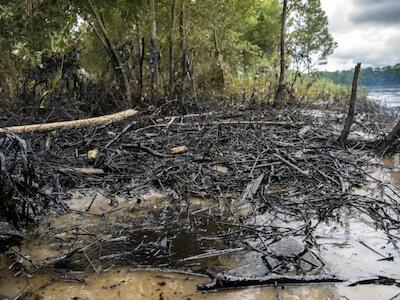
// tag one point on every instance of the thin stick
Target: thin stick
(24, 257)
(291, 165)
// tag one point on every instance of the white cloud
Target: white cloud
(374, 43)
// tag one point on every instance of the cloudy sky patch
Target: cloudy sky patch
(367, 31)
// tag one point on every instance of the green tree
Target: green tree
(310, 42)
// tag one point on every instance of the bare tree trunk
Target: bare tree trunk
(139, 59)
(280, 92)
(155, 53)
(171, 47)
(184, 60)
(29, 7)
(350, 117)
(220, 77)
(115, 60)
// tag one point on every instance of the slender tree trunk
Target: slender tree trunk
(29, 7)
(115, 60)
(280, 92)
(171, 47)
(155, 53)
(184, 60)
(350, 117)
(221, 77)
(139, 59)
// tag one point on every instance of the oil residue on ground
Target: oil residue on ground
(349, 247)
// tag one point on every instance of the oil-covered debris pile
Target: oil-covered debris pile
(255, 184)
(21, 197)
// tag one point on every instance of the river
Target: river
(387, 95)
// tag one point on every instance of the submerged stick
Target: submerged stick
(103, 120)
(228, 281)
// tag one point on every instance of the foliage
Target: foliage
(389, 75)
(35, 31)
(310, 42)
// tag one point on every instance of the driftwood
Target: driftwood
(228, 281)
(46, 127)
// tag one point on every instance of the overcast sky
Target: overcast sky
(367, 31)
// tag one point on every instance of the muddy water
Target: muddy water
(126, 284)
(345, 247)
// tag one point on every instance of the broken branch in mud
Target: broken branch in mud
(228, 281)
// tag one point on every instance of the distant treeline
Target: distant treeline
(389, 75)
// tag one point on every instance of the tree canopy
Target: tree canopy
(243, 35)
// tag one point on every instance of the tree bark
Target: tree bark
(115, 60)
(155, 53)
(280, 92)
(171, 47)
(350, 117)
(184, 60)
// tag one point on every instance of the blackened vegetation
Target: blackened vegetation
(21, 196)
(284, 165)
(226, 281)
(60, 81)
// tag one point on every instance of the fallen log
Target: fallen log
(46, 127)
(229, 281)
